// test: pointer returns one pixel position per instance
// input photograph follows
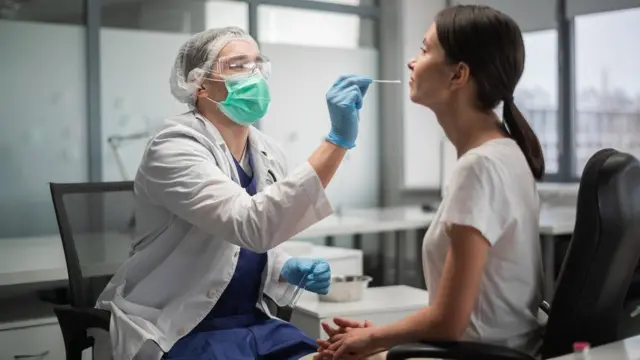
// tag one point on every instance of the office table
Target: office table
(555, 221)
(627, 349)
(358, 222)
(40, 259)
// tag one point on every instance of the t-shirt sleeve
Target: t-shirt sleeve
(476, 197)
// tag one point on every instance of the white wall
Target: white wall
(43, 114)
(135, 93)
(422, 134)
(299, 120)
(136, 99)
(282, 25)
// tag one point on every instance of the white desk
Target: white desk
(557, 220)
(554, 221)
(628, 349)
(380, 305)
(358, 222)
(370, 221)
(31, 260)
(40, 259)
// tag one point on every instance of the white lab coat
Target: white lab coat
(192, 217)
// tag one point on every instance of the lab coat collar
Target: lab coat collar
(255, 141)
(262, 160)
(217, 137)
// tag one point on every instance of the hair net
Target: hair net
(195, 58)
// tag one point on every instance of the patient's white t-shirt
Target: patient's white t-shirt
(493, 190)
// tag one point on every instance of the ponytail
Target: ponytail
(518, 128)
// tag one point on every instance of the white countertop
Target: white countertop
(554, 220)
(389, 298)
(557, 220)
(41, 259)
(628, 349)
(369, 221)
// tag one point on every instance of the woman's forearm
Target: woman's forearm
(420, 326)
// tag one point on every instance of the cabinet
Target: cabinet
(39, 339)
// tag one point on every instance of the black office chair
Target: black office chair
(90, 217)
(96, 223)
(590, 302)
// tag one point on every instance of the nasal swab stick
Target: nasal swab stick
(387, 81)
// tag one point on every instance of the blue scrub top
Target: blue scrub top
(242, 293)
(235, 329)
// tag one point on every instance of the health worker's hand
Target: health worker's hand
(344, 101)
(316, 271)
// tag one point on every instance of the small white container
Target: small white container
(347, 288)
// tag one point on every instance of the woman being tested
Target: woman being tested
(481, 254)
(213, 200)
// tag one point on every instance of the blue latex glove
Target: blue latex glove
(344, 100)
(318, 274)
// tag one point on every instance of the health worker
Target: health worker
(213, 200)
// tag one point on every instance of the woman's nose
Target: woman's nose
(410, 64)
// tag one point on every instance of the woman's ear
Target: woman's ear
(460, 75)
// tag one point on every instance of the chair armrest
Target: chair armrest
(545, 307)
(82, 318)
(282, 312)
(458, 350)
(74, 323)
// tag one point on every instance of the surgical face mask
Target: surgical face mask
(247, 100)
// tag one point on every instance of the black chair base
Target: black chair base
(458, 350)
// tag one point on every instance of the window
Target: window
(607, 108)
(342, 2)
(226, 13)
(351, 2)
(537, 92)
(43, 110)
(282, 25)
(177, 16)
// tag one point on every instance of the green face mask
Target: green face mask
(247, 100)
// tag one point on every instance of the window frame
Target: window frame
(539, 24)
(567, 15)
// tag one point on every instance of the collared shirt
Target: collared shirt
(192, 218)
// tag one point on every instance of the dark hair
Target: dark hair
(490, 44)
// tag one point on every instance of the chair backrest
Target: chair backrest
(590, 297)
(96, 223)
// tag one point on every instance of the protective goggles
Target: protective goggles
(242, 64)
